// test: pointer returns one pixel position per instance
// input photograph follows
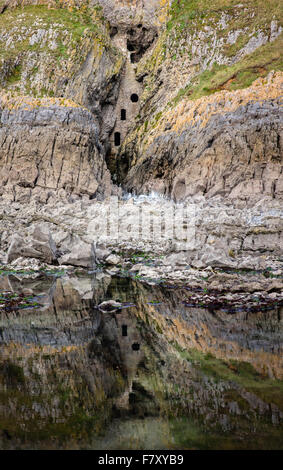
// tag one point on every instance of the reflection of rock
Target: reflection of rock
(109, 306)
(73, 351)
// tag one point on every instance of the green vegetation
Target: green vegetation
(189, 434)
(56, 40)
(32, 17)
(237, 76)
(188, 13)
(240, 373)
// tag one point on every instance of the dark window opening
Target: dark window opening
(117, 138)
(135, 346)
(134, 98)
(113, 31)
(124, 330)
(123, 115)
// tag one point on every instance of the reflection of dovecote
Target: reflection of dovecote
(129, 340)
(131, 350)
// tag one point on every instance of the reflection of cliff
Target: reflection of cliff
(250, 337)
(67, 369)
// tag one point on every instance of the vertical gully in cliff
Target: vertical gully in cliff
(133, 42)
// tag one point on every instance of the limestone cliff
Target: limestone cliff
(227, 144)
(140, 69)
(203, 128)
(59, 68)
(182, 98)
(50, 149)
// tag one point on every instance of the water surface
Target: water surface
(154, 374)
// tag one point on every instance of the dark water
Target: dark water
(155, 374)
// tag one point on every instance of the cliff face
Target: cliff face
(180, 98)
(202, 127)
(50, 150)
(228, 144)
(58, 68)
(174, 137)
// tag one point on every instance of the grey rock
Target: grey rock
(38, 244)
(81, 254)
(113, 259)
(50, 158)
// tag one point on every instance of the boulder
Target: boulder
(213, 257)
(102, 252)
(81, 254)
(113, 259)
(37, 244)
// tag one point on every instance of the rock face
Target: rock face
(39, 245)
(54, 53)
(50, 150)
(164, 93)
(79, 254)
(229, 144)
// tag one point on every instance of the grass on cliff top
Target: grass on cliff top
(250, 18)
(62, 39)
(240, 75)
(189, 22)
(184, 12)
(36, 17)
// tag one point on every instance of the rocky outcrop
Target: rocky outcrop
(38, 245)
(50, 150)
(214, 232)
(79, 254)
(229, 144)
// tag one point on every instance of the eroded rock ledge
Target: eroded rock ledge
(49, 149)
(227, 144)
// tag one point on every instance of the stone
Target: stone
(102, 252)
(38, 244)
(136, 267)
(113, 259)
(81, 254)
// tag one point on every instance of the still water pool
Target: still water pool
(152, 374)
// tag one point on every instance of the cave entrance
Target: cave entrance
(134, 98)
(123, 115)
(117, 139)
(124, 330)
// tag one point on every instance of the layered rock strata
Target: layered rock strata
(50, 150)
